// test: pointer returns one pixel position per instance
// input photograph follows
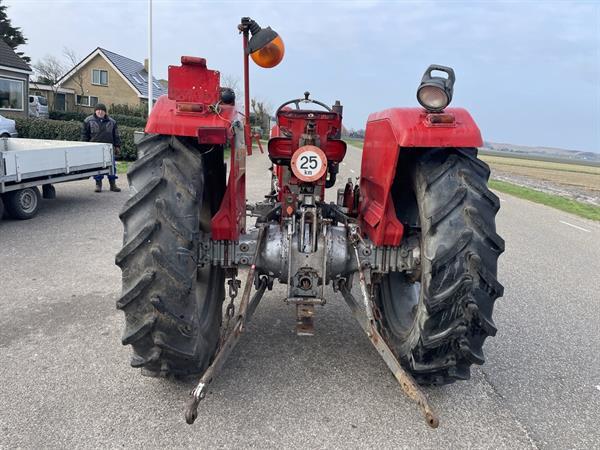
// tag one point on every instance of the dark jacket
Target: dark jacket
(96, 129)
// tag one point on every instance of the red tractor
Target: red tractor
(416, 236)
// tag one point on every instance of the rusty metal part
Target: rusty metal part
(365, 317)
(305, 300)
(407, 382)
(304, 324)
(246, 308)
(234, 284)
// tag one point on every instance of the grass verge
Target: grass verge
(354, 142)
(555, 201)
(122, 166)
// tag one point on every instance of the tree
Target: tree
(77, 77)
(11, 35)
(48, 70)
(262, 114)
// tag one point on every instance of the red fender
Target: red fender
(386, 134)
(192, 108)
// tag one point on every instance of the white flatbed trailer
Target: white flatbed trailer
(26, 164)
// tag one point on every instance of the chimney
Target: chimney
(146, 64)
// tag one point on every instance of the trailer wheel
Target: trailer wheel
(437, 324)
(24, 203)
(172, 308)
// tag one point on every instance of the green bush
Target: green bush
(128, 148)
(126, 110)
(71, 131)
(129, 121)
(48, 129)
(122, 120)
(68, 115)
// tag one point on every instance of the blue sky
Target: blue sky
(529, 72)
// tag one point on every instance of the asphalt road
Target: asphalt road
(66, 382)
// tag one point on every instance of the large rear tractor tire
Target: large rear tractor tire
(437, 324)
(172, 308)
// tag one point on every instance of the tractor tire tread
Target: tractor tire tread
(460, 250)
(136, 290)
(142, 236)
(172, 307)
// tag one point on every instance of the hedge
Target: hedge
(71, 131)
(122, 120)
(129, 121)
(67, 115)
(127, 110)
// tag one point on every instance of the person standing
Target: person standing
(100, 128)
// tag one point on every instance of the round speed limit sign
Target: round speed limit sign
(309, 163)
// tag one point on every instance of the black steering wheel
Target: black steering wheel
(297, 102)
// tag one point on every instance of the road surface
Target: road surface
(66, 381)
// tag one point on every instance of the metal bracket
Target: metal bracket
(405, 379)
(365, 317)
(228, 253)
(404, 258)
(246, 309)
(304, 324)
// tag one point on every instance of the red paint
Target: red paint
(230, 219)
(212, 135)
(168, 118)
(192, 82)
(412, 127)
(192, 90)
(192, 109)
(277, 169)
(387, 132)
(246, 93)
(257, 137)
(285, 137)
(282, 148)
(291, 124)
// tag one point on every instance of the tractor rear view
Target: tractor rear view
(412, 246)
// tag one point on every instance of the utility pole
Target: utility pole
(150, 86)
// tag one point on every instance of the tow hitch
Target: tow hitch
(247, 308)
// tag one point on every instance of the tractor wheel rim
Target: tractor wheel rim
(28, 201)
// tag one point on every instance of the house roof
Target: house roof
(136, 74)
(35, 86)
(9, 58)
(132, 71)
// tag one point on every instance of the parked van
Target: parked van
(38, 106)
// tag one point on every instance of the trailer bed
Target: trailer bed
(33, 162)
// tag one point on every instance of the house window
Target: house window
(86, 100)
(11, 94)
(100, 77)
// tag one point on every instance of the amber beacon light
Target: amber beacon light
(265, 47)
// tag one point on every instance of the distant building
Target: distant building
(107, 77)
(59, 99)
(14, 81)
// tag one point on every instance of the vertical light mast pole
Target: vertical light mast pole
(150, 86)
(245, 30)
